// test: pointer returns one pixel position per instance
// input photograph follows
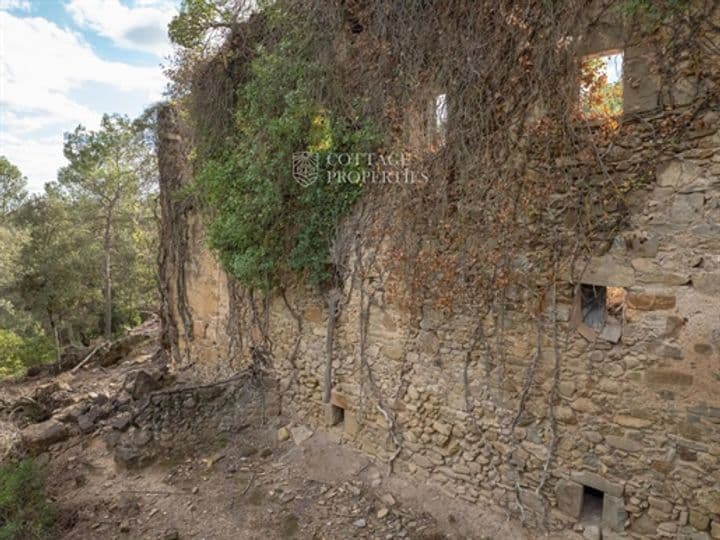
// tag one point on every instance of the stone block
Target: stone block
(705, 410)
(565, 415)
(651, 273)
(684, 91)
(531, 500)
(613, 513)
(658, 377)
(584, 405)
(703, 348)
(687, 208)
(593, 480)
(431, 319)
(657, 515)
(283, 434)
(664, 350)
(442, 428)
(707, 283)
(699, 520)
(566, 388)
(394, 351)
(623, 443)
(422, 461)
(641, 83)
(673, 325)
(668, 529)
(351, 425)
(429, 343)
(650, 302)
(339, 399)
(314, 314)
(715, 529)
(644, 525)
(631, 421)
(660, 504)
(709, 498)
(605, 271)
(611, 331)
(677, 174)
(38, 437)
(641, 244)
(591, 532)
(569, 496)
(300, 434)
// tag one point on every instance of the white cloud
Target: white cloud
(142, 26)
(42, 66)
(37, 158)
(21, 5)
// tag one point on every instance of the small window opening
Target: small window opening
(337, 415)
(601, 309)
(594, 301)
(441, 111)
(601, 85)
(592, 506)
(437, 119)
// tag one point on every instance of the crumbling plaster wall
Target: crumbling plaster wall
(638, 420)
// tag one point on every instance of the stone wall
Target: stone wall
(638, 412)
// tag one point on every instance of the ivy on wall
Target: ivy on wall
(266, 224)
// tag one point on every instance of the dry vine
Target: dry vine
(523, 190)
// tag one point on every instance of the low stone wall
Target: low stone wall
(174, 420)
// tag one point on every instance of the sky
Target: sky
(66, 62)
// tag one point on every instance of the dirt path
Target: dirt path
(251, 487)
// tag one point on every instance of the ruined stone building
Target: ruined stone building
(625, 427)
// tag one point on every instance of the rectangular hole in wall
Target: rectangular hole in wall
(593, 305)
(337, 415)
(438, 119)
(602, 311)
(592, 506)
(601, 85)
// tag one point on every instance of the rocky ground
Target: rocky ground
(134, 453)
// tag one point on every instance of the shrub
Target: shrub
(18, 353)
(25, 512)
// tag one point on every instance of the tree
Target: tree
(198, 20)
(110, 173)
(57, 281)
(12, 187)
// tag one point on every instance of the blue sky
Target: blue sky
(66, 62)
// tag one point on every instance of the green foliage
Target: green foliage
(12, 187)
(17, 353)
(94, 227)
(57, 268)
(110, 180)
(25, 512)
(263, 223)
(10, 362)
(189, 28)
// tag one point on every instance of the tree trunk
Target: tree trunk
(56, 333)
(107, 245)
